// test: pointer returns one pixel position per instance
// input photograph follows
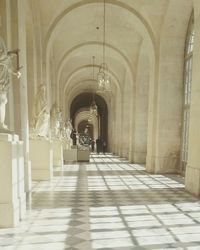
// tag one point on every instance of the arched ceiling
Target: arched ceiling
(81, 23)
(70, 38)
(81, 104)
(84, 100)
(72, 53)
(83, 115)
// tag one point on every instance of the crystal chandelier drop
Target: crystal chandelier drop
(93, 106)
(103, 79)
(93, 109)
(103, 76)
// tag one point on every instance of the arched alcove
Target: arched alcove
(84, 100)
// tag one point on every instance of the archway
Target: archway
(85, 128)
(84, 100)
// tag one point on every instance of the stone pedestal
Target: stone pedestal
(70, 154)
(57, 153)
(41, 156)
(75, 154)
(83, 155)
(9, 196)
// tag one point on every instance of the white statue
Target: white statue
(55, 121)
(3, 101)
(5, 69)
(40, 113)
(63, 130)
(66, 134)
(69, 128)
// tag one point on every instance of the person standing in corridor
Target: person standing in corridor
(104, 147)
(98, 145)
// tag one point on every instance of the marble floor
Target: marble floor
(107, 204)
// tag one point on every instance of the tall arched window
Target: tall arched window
(187, 91)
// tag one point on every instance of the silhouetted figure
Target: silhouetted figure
(104, 147)
(73, 136)
(92, 145)
(98, 144)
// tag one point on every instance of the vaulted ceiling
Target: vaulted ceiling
(71, 33)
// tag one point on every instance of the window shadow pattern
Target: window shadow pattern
(107, 203)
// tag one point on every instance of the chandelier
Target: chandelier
(103, 76)
(93, 106)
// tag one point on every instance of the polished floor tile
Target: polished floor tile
(107, 203)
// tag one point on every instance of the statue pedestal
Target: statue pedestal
(70, 154)
(12, 196)
(41, 156)
(57, 153)
(75, 154)
(83, 155)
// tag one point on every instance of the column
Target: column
(166, 97)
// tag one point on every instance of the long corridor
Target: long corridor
(107, 204)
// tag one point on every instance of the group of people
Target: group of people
(100, 145)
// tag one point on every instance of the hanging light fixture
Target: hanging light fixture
(103, 77)
(93, 106)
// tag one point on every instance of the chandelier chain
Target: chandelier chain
(104, 30)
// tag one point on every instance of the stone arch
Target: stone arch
(73, 74)
(147, 30)
(84, 100)
(113, 2)
(118, 52)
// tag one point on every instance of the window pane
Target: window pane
(187, 90)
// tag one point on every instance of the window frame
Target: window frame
(187, 83)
